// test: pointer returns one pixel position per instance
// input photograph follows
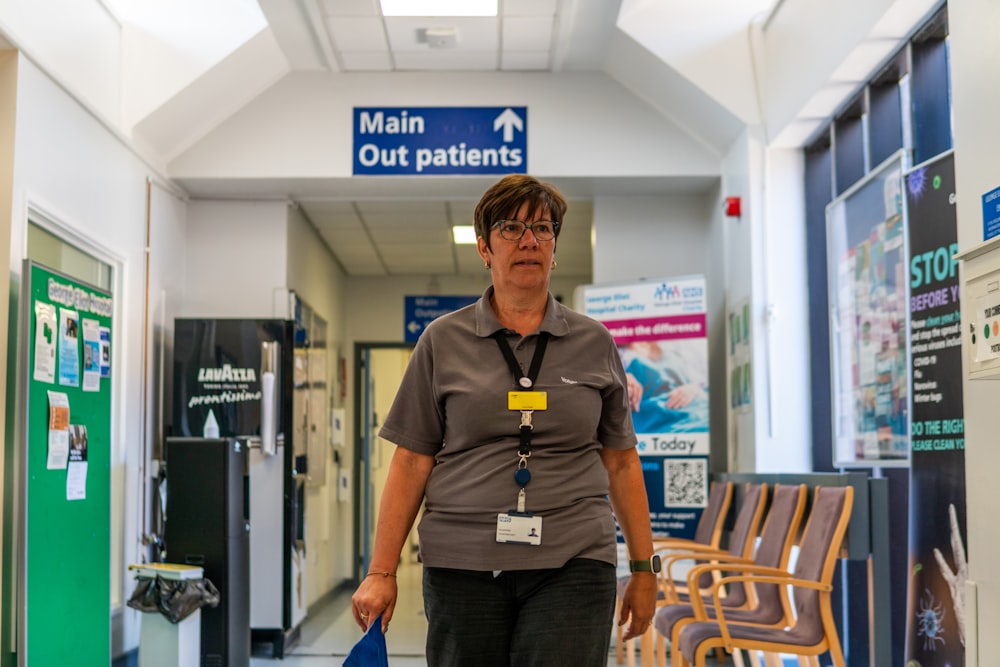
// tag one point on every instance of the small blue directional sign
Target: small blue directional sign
(435, 141)
(420, 310)
(991, 214)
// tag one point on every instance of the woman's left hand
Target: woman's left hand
(639, 603)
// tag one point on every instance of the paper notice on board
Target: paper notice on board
(45, 343)
(105, 352)
(91, 355)
(69, 347)
(76, 474)
(58, 430)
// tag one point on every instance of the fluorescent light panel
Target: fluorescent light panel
(463, 234)
(439, 7)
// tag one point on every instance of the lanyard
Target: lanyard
(525, 381)
(522, 476)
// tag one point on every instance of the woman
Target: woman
(512, 423)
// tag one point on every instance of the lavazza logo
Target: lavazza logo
(227, 374)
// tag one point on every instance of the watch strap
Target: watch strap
(647, 565)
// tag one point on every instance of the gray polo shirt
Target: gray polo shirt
(452, 404)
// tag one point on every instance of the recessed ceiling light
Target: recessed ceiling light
(439, 7)
(463, 234)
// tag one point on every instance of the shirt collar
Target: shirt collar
(487, 323)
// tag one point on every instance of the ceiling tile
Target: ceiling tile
(474, 33)
(351, 7)
(401, 206)
(527, 33)
(416, 220)
(529, 7)
(347, 237)
(357, 34)
(399, 249)
(402, 233)
(422, 265)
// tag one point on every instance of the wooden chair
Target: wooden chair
(813, 631)
(740, 549)
(708, 532)
(765, 604)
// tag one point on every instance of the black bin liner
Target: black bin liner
(175, 599)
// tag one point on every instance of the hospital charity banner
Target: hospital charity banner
(935, 625)
(659, 327)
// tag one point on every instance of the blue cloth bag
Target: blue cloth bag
(370, 650)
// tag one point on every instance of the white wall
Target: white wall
(784, 416)
(315, 276)
(579, 124)
(974, 54)
(78, 42)
(775, 435)
(237, 259)
(69, 166)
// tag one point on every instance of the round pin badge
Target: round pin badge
(525, 382)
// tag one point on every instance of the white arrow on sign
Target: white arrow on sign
(509, 121)
(414, 327)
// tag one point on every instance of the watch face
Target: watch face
(656, 563)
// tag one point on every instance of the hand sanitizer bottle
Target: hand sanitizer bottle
(211, 428)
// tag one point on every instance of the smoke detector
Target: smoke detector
(441, 38)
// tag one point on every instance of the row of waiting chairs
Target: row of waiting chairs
(739, 598)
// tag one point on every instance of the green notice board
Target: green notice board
(65, 499)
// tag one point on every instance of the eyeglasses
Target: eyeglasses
(513, 230)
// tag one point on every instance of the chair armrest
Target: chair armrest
(670, 585)
(765, 576)
(698, 605)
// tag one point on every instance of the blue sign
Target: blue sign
(420, 310)
(435, 141)
(991, 214)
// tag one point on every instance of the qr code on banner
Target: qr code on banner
(686, 483)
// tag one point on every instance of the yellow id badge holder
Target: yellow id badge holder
(527, 400)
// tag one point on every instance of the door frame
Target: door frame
(361, 349)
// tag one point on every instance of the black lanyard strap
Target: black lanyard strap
(524, 448)
(515, 367)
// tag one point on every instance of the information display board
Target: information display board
(62, 464)
(869, 314)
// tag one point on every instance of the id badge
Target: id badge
(517, 528)
(527, 400)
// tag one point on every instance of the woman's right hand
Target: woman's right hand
(376, 595)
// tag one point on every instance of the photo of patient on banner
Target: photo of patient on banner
(667, 385)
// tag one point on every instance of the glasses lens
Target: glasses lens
(544, 230)
(513, 230)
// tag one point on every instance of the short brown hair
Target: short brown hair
(509, 194)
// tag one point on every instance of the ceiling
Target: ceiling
(398, 226)
(392, 226)
(375, 237)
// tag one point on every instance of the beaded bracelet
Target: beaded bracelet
(384, 574)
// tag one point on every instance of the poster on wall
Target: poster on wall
(740, 374)
(868, 321)
(935, 626)
(660, 329)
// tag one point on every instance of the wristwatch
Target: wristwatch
(651, 565)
